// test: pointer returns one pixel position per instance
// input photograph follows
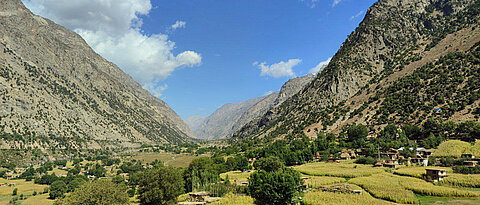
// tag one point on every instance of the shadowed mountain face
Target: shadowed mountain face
(53, 84)
(395, 68)
(231, 117)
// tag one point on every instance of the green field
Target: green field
(174, 160)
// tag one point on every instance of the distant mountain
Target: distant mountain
(56, 90)
(231, 117)
(408, 61)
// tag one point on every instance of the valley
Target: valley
(392, 118)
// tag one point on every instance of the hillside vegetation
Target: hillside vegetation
(407, 62)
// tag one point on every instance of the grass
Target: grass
(452, 148)
(174, 160)
(417, 171)
(330, 198)
(318, 181)
(344, 169)
(401, 189)
(235, 175)
(38, 200)
(231, 199)
(24, 187)
(58, 172)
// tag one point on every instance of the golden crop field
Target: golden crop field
(231, 199)
(331, 198)
(417, 171)
(422, 187)
(343, 169)
(462, 180)
(235, 175)
(318, 181)
(386, 186)
(452, 148)
(401, 189)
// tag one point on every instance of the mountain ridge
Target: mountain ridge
(231, 117)
(393, 35)
(53, 83)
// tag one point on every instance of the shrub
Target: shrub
(366, 160)
(466, 170)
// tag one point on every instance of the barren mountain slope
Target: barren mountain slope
(52, 84)
(396, 38)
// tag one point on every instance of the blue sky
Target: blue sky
(216, 49)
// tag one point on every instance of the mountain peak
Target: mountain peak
(53, 84)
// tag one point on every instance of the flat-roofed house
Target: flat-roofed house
(436, 175)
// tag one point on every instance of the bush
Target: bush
(366, 160)
(14, 192)
(282, 186)
(466, 170)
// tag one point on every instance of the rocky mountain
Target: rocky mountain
(408, 61)
(231, 117)
(55, 89)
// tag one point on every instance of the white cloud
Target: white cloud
(311, 3)
(336, 2)
(113, 29)
(156, 90)
(320, 66)
(178, 24)
(356, 15)
(278, 70)
(267, 93)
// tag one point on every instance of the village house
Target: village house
(467, 156)
(391, 154)
(435, 175)
(199, 198)
(470, 163)
(420, 161)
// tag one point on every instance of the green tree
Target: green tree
(283, 186)
(268, 164)
(72, 185)
(200, 173)
(160, 186)
(357, 135)
(14, 192)
(98, 192)
(57, 189)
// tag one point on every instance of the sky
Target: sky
(198, 55)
